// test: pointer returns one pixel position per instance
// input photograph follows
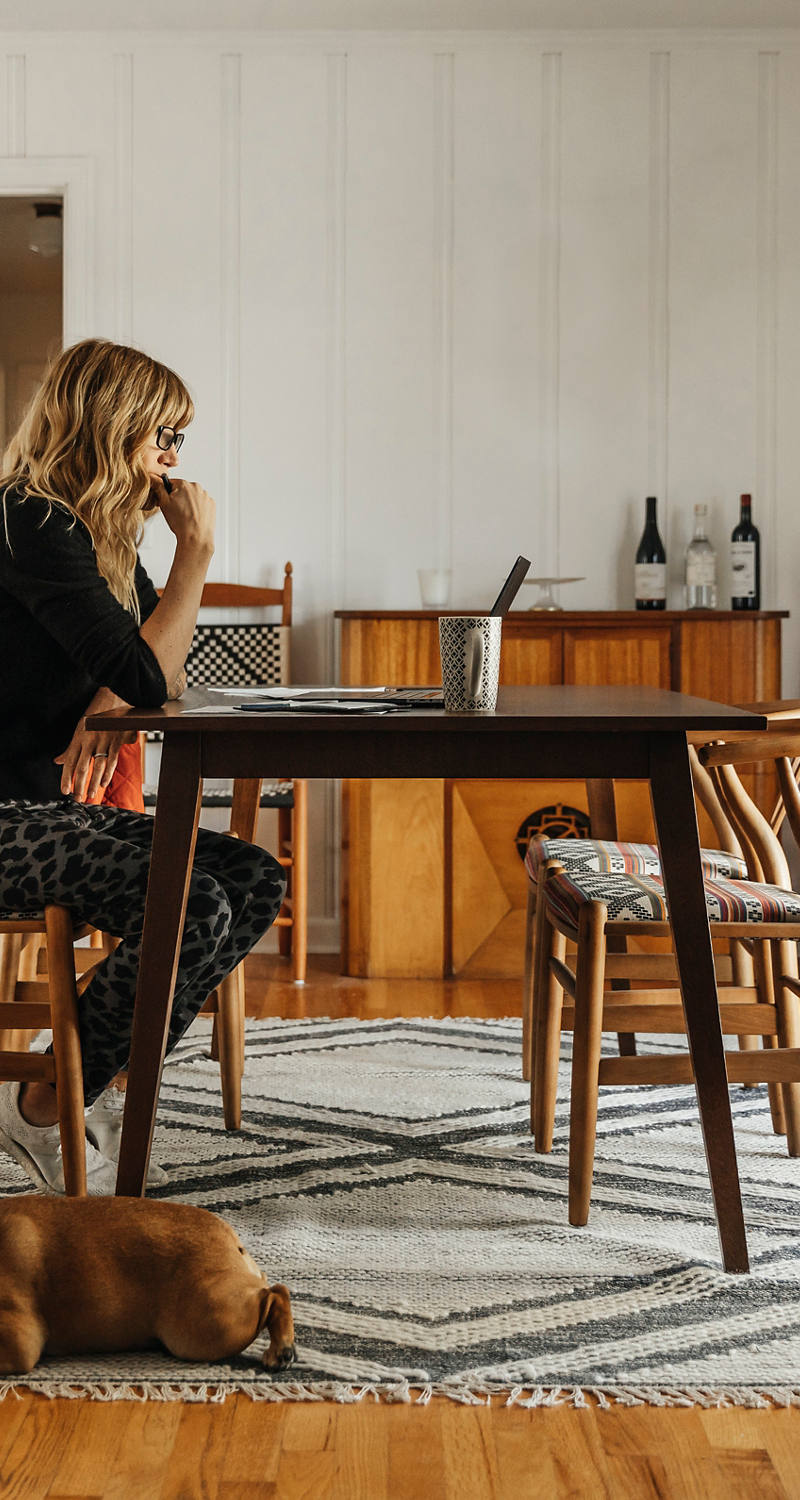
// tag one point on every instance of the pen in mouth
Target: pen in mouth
(166, 483)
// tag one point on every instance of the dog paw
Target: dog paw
(278, 1359)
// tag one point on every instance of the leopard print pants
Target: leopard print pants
(95, 861)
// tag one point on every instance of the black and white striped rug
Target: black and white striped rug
(384, 1170)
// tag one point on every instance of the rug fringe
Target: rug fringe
(604, 1397)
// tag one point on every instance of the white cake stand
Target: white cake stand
(544, 599)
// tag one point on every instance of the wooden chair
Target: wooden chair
(597, 856)
(29, 1003)
(761, 915)
(253, 655)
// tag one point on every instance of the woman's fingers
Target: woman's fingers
(89, 762)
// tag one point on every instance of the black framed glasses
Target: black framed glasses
(167, 437)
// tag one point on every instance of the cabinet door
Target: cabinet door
(530, 658)
(730, 661)
(395, 652)
(618, 656)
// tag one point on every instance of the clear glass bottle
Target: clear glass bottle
(701, 565)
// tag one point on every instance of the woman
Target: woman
(82, 630)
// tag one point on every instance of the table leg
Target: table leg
(679, 845)
(174, 835)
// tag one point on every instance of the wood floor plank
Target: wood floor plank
(198, 1452)
(577, 1453)
(308, 1426)
(96, 1440)
(362, 1454)
(639, 1476)
(32, 1458)
(306, 1474)
(140, 1466)
(414, 1466)
(14, 1411)
(236, 1489)
(524, 1465)
(255, 1438)
(469, 1453)
(779, 1434)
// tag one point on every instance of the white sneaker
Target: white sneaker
(37, 1148)
(104, 1129)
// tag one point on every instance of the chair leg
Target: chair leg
(546, 1017)
(784, 957)
(285, 851)
(527, 984)
(765, 984)
(230, 1026)
(299, 927)
(586, 1048)
(10, 950)
(66, 1048)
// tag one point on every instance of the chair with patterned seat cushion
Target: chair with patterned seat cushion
(587, 908)
(761, 915)
(30, 1003)
(606, 856)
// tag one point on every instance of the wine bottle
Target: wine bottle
(701, 566)
(745, 560)
(651, 563)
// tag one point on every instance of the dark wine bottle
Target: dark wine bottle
(651, 563)
(745, 560)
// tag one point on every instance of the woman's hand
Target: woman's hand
(189, 512)
(90, 759)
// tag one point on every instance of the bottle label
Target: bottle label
(651, 580)
(701, 570)
(743, 569)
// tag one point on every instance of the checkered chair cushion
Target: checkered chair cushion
(641, 898)
(602, 857)
(242, 655)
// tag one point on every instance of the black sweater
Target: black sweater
(63, 635)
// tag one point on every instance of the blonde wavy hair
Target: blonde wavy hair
(80, 445)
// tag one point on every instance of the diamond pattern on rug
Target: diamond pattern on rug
(384, 1170)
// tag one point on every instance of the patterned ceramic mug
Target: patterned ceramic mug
(469, 646)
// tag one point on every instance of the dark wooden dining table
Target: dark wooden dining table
(592, 733)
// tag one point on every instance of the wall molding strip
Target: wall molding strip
(658, 286)
(336, 371)
(548, 560)
(123, 197)
(230, 309)
(15, 104)
(443, 251)
(766, 499)
(336, 424)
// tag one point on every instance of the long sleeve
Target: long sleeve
(48, 566)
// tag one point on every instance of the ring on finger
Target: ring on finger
(100, 755)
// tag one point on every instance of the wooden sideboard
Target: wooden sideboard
(433, 881)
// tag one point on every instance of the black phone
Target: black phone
(511, 587)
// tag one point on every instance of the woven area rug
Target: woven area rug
(385, 1172)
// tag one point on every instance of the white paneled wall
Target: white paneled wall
(442, 298)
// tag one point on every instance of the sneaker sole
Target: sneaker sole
(26, 1161)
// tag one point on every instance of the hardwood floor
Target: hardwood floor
(241, 1450)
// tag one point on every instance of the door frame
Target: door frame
(72, 179)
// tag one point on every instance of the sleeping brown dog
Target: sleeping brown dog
(108, 1274)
